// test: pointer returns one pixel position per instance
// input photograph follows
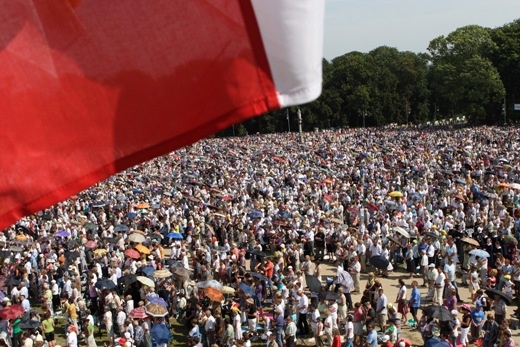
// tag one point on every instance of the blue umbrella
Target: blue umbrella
(479, 253)
(158, 300)
(160, 333)
(255, 214)
(175, 236)
(284, 214)
(105, 283)
(62, 233)
(131, 215)
(259, 276)
(433, 342)
(121, 228)
(148, 270)
(247, 289)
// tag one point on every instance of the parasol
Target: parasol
(156, 310)
(255, 214)
(379, 262)
(313, 283)
(470, 241)
(158, 300)
(395, 240)
(62, 233)
(257, 253)
(147, 270)
(127, 279)
(395, 194)
(132, 253)
(136, 237)
(479, 253)
(492, 292)
(91, 244)
(247, 289)
(90, 226)
(142, 249)
(439, 312)
(402, 232)
(259, 276)
(138, 313)
(27, 324)
(228, 290)
(180, 271)
(11, 312)
(105, 284)
(508, 239)
(143, 205)
(100, 252)
(336, 220)
(175, 236)
(121, 228)
(160, 334)
(164, 273)
(329, 296)
(209, 284)
(431, 234)
(214, 294)
(146, 281)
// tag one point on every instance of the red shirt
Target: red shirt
(269, 269)
(336, 342)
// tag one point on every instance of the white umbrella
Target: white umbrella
(146, 281)
(402, 232)
(136, 237)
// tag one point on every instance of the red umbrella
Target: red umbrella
(372, 206)
(132, 253)
(91, 244)
(227, 198)
(11, 312)
(328, 197)
(138, 313)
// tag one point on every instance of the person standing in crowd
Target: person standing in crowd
(381, 310)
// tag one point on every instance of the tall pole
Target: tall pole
(505, 111)
(300, 124)
(288, 121)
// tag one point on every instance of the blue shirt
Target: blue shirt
(478, 316)
(415, 298)
(372, 338)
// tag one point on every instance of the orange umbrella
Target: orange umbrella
(214, 294)
(327, 181)
(143, 205)
(142, 249)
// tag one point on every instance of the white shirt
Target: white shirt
(303, 304)
(350, 330)
(72, 339)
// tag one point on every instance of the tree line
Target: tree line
(472, 72)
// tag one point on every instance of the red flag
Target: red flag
(89, 88)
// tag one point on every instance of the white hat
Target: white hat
(269, 333)
(289, 267)
(454, 312)
(402, 344)
(385, 338)
(431, 265)
(151, 256)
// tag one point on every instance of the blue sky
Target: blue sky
(408, 25)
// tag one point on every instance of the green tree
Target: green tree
(463, 78)
(506, 58)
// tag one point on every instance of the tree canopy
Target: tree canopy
(470, 72)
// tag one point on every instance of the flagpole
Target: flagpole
(300, 124)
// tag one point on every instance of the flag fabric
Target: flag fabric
(92, 87)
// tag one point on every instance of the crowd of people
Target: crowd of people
(232, 240)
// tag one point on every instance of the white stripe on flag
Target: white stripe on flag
(292, 33)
